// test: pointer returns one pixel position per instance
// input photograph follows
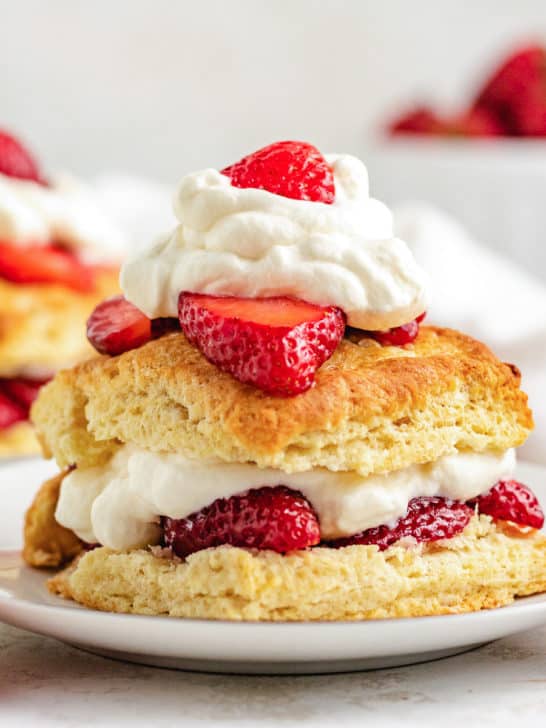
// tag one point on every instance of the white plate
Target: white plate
(236, 647)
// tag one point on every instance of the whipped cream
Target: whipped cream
(118, 504)
(64, 212)
(253, 243)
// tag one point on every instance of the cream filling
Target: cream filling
(118, 505)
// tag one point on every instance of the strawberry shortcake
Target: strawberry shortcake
(59, 256)
(272, 433)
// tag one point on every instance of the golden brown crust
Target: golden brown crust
(19, 439)
(46, 543)
(482, 568)
(43, 326)
(373, 409)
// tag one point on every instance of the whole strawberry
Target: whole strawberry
(276, 344)
(427, 519)
(511, 501)
(16, 161)
(290, 169)
(275, 518)
(516, 93)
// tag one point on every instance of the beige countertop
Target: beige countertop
(46, 683)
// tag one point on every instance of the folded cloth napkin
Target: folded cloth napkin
(472, 288)
(487, 296)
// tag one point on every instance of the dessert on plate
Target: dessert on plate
(59, 256)
(271, 433)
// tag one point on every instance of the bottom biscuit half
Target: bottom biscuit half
(484, 567)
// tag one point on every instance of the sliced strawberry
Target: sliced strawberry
(427, 519)
(420, 120)
(290, 169)
(511, 501)
(22, 391)
(276, 518)
(276, 344)
(477, 123)
(400, 335)
(15, 160)
(116, 326)
(10, 412)
(44, 264)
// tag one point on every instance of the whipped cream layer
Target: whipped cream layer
(64, 212)
(253, 243)
(118, 505)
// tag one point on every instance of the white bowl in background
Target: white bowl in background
(495, 187)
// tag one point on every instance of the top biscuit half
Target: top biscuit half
(373, 409)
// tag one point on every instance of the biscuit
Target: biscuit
(43, 326)
(481, 568)
(46, 542)
(19, 439)
(374, 409)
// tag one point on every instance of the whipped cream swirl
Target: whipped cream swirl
(253, 243)
(64, 212)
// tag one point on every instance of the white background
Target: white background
(160, 87)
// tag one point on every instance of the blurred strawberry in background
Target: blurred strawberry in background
(516, 93)
(511, 103)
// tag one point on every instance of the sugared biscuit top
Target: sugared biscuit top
(374, 408)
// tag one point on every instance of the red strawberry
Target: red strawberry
(400, 335)
(15, 161)
(277, 344)
(116, 326)
(529, 112)
(427, 519)
(277, 518)
(10, 412)
(511, 501)
(420, 120)
(477, 123)
(166, 325)
(44, 264)
(22, 391)
(290, 169)
(516, 93)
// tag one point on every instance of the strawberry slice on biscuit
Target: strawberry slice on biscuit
(276, 344)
